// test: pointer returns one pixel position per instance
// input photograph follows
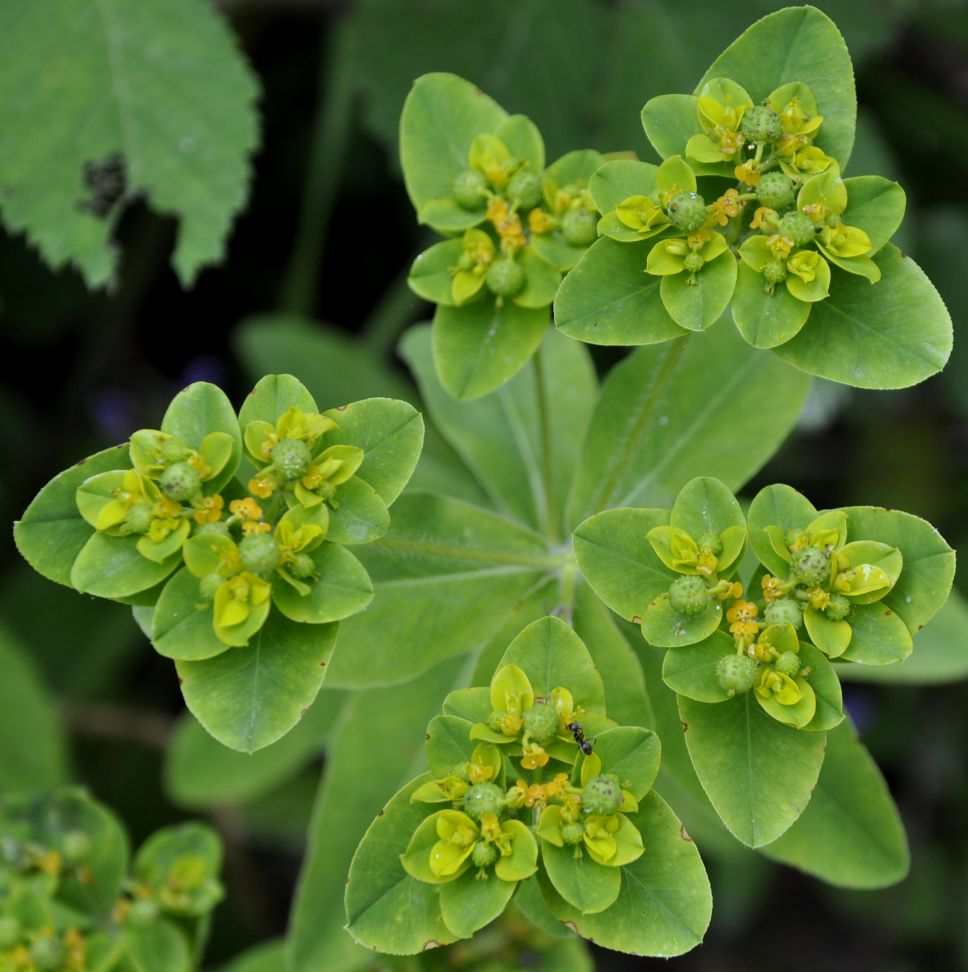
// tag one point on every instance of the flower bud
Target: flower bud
(483, 798)
(775, 272)
(571, 832)
(138, 518)
(687, 211)
(580, 227)
(810, 566)
(525, 189)
(736, 673)
(292, 458)
(602, 794)
(505, 278)
(761, 124)
(775, 190)
(484, 854)
(180, 482)
(784, 611)
(838, 608)
(689, 596)
(799, 227)
(470, 189)
(541, 723)
(788, 664)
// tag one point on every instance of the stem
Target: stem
(569, 577)
(544, 420)
(326, 156)
(394, 311)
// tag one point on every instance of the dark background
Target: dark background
(328, 234)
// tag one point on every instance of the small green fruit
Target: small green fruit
(302, 567)
(259, 553)
(48, 953)
(810, 566)
(799, 227)
(580, 227)
(292, 458)
(209, 584)
(144, 911)
(218, 528)
(174, 450)
(76, 846)
(483, 798)
(775, 272)
(784, 611)
(788, 664)
(761, 124)
(470, 189)
(736, 673)
(712, 543)
(775, 190)
(138, 518)
(525, 189)
(484, 854)
(689, 596)
(572, 832)
(505, 278)
(602, 794)
(838, 609)
(180, 482)
(687, 210)
(541, 723)
(693, 262)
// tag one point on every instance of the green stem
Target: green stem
(544, 426)
(325, 164)
(395, 310)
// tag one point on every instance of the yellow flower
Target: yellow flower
(748, 173)
(263, 485)
(728, 206)
(533, 756)
(208, 509)
(540, 222)
(742, 617)
(818, 597)
(772, 590)
(780, 246)
(507, 225)
(765, 219)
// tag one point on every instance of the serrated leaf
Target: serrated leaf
(119, 80)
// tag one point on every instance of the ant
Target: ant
(579, 734)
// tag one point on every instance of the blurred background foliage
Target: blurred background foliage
(314, 283)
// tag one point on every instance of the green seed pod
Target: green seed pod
(218, 528)
(580, 227)
(76, 846)
(712, 543)
(144, 911)
(687, 210)
(9, 931)
(775, 190)
(470, 189)
(209, 584)
(689, 596)
(303, 566)
(292, 458)
(838, 609)
(810, 566)
(180, 482)
(484, 854)
(788, 664)
(483, 798)
(775, 272)
(48, 953)
(761, 124)
(799, 227)
(174, 450)
(138, 518)
(494, 720)
(541, 723)
(602, 794)
(259, 553)
(736, 673)
(571, 832)
(693, 262)
(784, 611)
(525, 189)
(505, 278)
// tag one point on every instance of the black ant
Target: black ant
(579, 734)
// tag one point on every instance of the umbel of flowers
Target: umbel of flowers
(545, 785)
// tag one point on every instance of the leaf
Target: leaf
(878, 636)
(698, 305)
(441, 117)
(341, 588)
(112, 567)
(469, 904)
(159, 947)
(360, 517)
(758, 773)
(670, 120)
(430, 275)
(782, 506)
(27, 712)
(692, 670)
(665, 627)
(631, 753)
(850, 834)
(826, 687)
(508, 423)
(875, 205)
(386, 908)
(445, 576)
(479, 346)
(584, 884)
(390, 433)
(271, 396)
(182, 621)
(940, 652)
(797, 44)
(608, 298)
(617, 179)
(891, 334)
(766, 320)
(125, 95)
(618, 561)
(665, 904)
(52, 532)
(389, 721)
(249, 697)
(668, 414)
(200, 772)
(267, 957)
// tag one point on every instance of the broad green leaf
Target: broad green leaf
(52, 532)
(826, 688)
(929, 563)
(766, 320)
(341, 588)
(479, 346)
(940, 652)
(781, 506)
(430, 275)
(386, 908)
(445, 576)
(878, 636)
(697, 305)
(891, 334)
(670, 120)
(249, 697)
(618, 179)
(541, 280)
(665, 627)
(123, 100)
(159, 947)
(389, 721)
(797, 44)
(850, 834)
(508, 423)
(608, 298)
(270, 398)
(200, 773)
(668, 414)
(758, 773)
(182, 621)
(112, 567)
(468, 903)
(705, 505)
(875, 205)
(631, 753)
(584, 884)
(198, 410)
(441, 117)
(35, 757)
(360, 517)
(692, 669)
(626, 700)
(618, 561)
(522, 137)
(267, 957)
(665, 903)
(448, 743)
(550, 653)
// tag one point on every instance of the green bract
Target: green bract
(570, 808)
(244, 569)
